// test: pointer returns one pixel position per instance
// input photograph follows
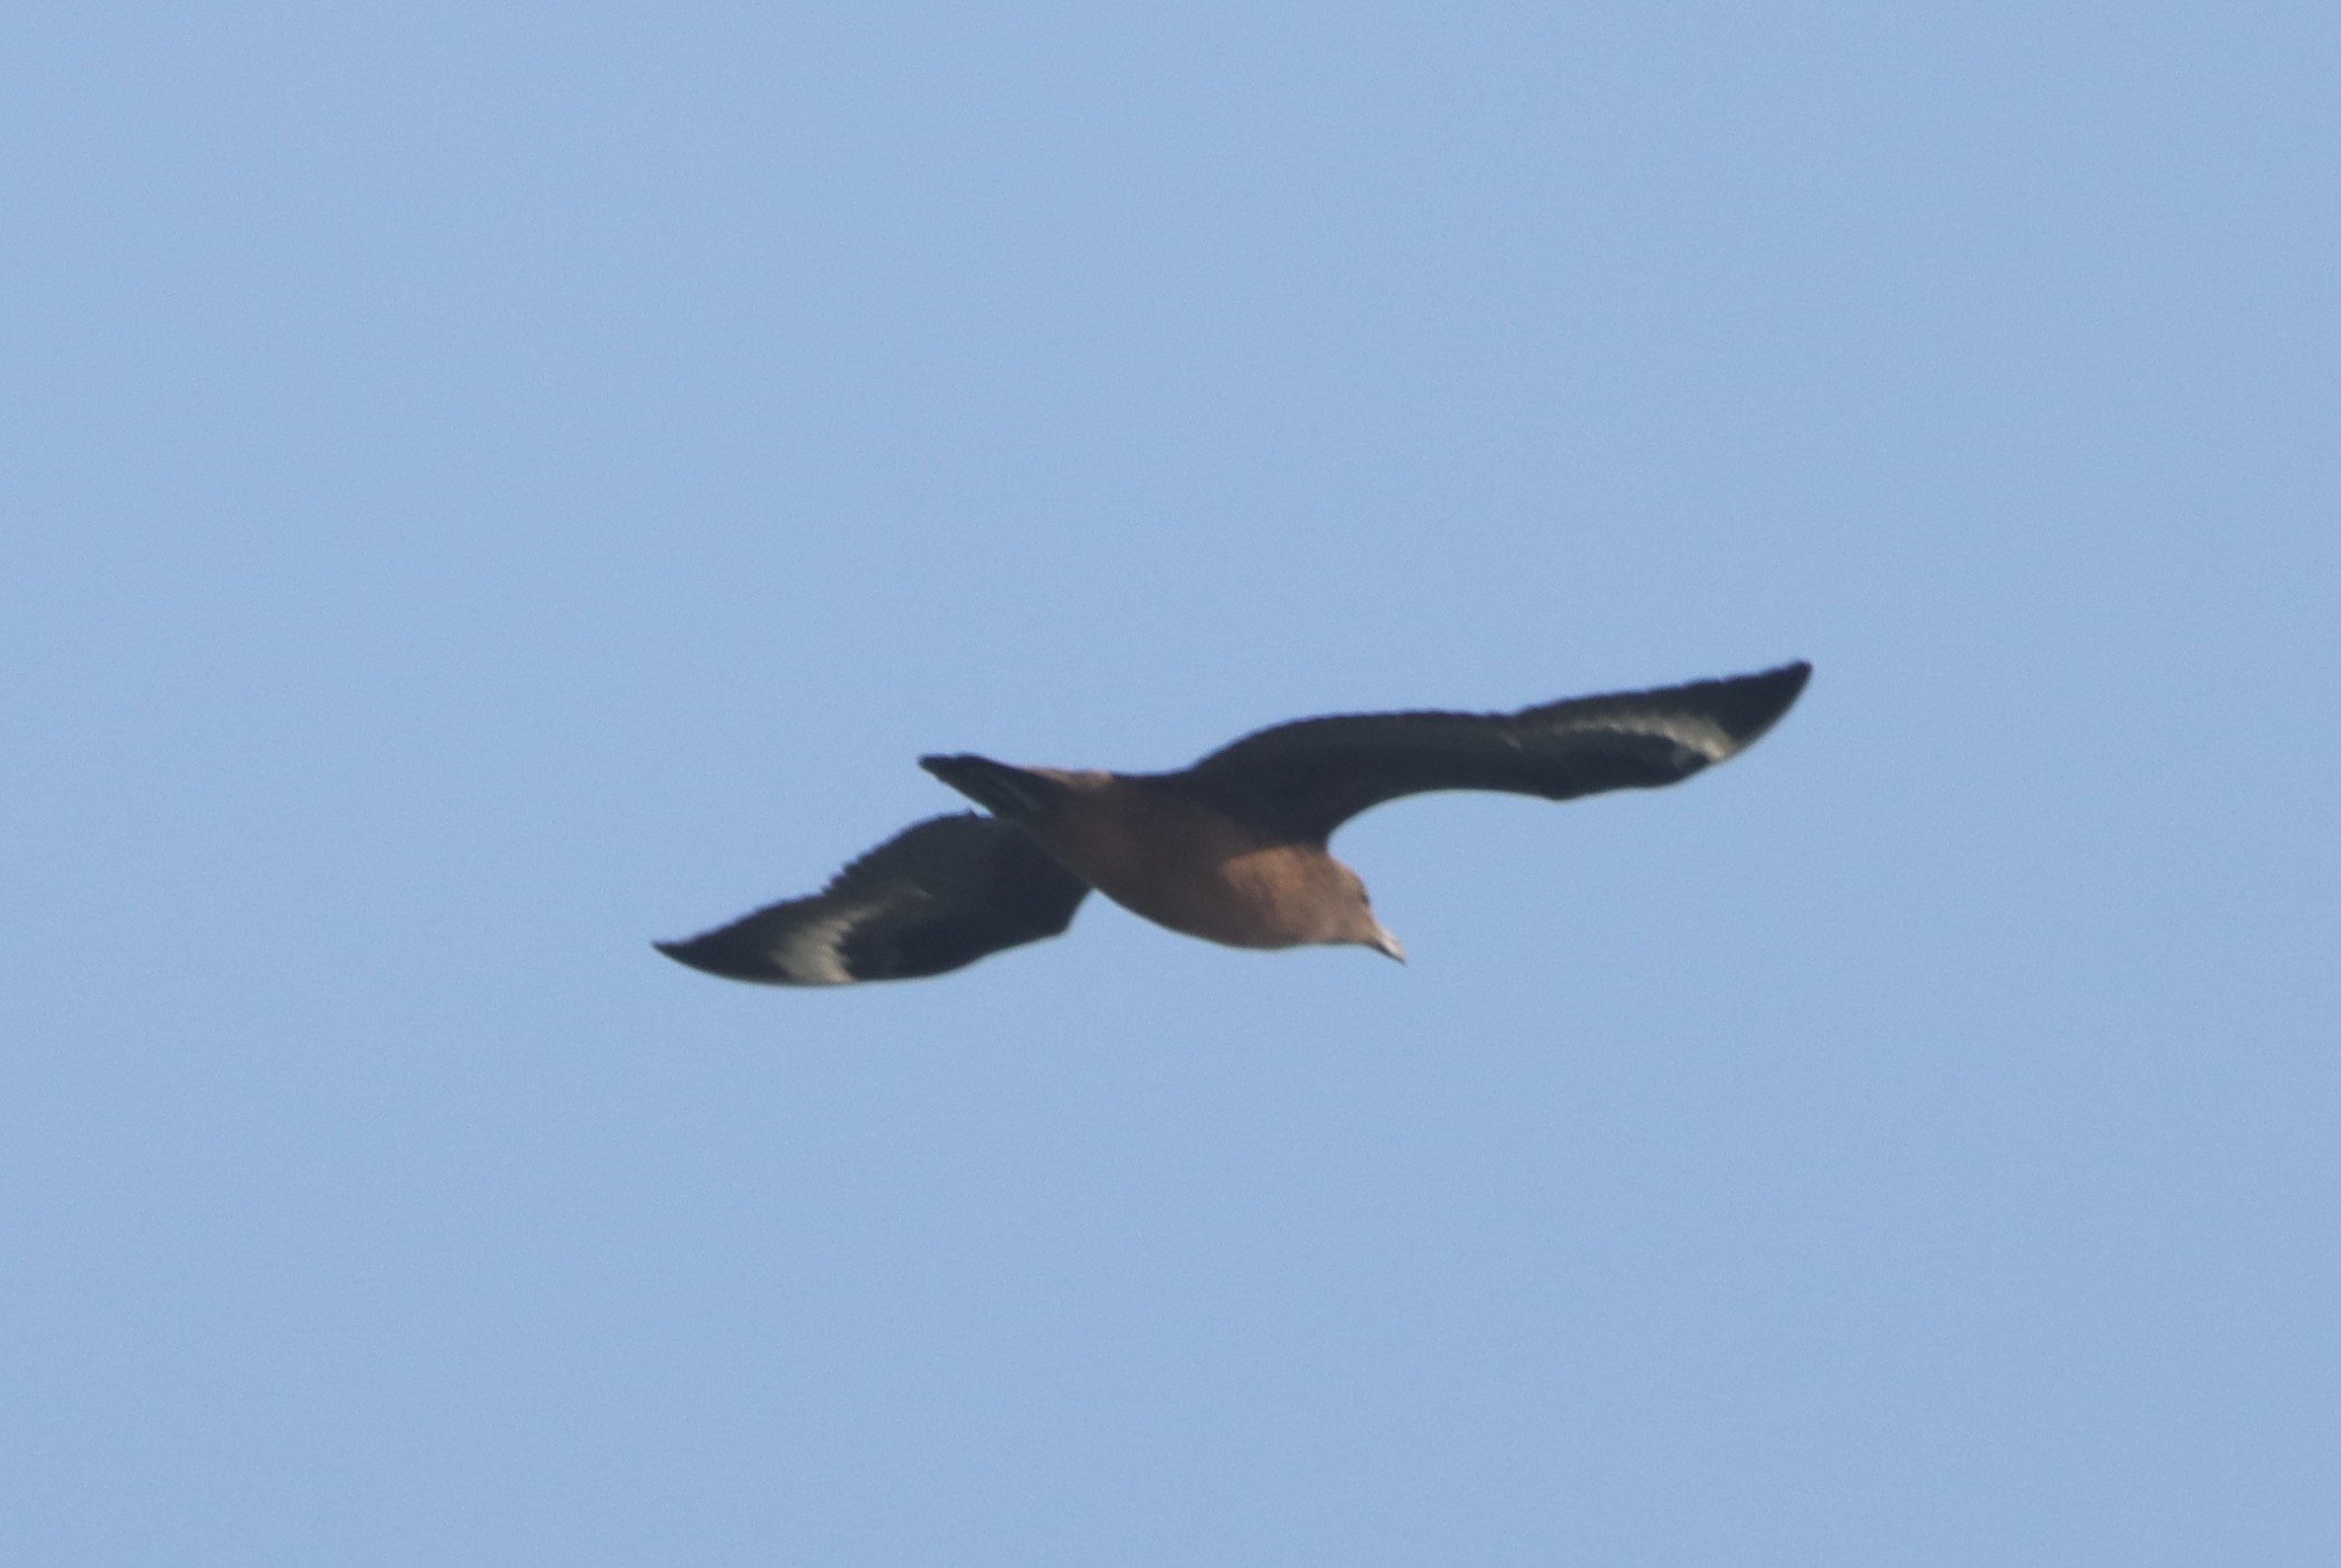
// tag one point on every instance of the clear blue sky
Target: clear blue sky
(489, 484)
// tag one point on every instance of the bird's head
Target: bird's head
(1357, 923)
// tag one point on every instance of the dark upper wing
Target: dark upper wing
(936, 896)
(1307, 779)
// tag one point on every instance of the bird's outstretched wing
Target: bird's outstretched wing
(935, 897)
(1306, 779)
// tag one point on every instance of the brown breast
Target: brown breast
(1196, 870)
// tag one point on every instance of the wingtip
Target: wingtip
(723, 953)
(1758, 701)
(682, 953)
(1794, 677)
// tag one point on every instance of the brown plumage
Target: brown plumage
(1232, 849)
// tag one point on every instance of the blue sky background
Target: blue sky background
(489, 484)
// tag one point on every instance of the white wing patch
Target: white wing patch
(809, 955)
(1695, 731)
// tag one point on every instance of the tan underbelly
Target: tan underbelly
(1183, 865)
(1248, 900)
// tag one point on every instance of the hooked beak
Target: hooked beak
(1382, 942)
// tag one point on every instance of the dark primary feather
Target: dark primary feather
(1308, 778)
(933, 898)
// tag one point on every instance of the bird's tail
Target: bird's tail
(1016, 795)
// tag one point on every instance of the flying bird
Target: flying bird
(1232, 849)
